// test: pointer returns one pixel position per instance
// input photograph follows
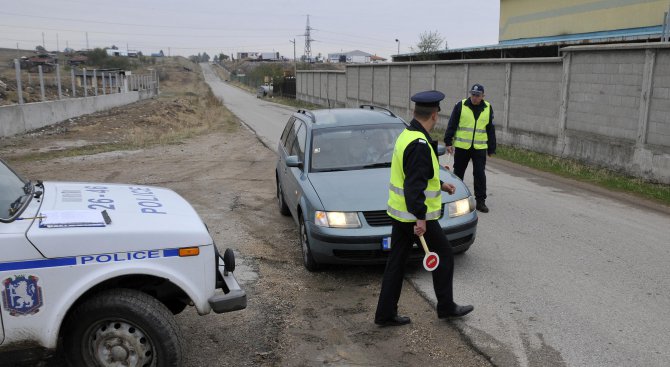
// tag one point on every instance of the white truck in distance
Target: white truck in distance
(105, 287)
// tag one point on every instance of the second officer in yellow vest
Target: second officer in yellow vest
(471, 132)
(415, 203)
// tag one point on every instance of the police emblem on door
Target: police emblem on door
(21, 295)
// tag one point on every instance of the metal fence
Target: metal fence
(54, 82)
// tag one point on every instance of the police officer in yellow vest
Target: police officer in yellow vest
(471, 132)
(415, 204)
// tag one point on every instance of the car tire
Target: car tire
(459, 252)
(124, 327)
(283, 208)
(307, 258)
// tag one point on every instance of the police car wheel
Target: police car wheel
(307, 258)
(123, 327)
(283, 208)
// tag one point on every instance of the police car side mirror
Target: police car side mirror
(441, 150)
(293, 161)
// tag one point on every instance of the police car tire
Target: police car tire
(283, 208)
(307, 258)
(131, 307)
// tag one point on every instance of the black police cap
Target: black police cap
(429, 98)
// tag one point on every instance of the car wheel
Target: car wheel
(307, 258)
(123, 327)
(461, 251)
(283, 208)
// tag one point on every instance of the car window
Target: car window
(298, 147)
(11, 188)
(353, 147)
(287, 129)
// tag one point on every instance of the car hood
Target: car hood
(142, 218)
(366, 189)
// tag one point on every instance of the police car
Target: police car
(100, 269)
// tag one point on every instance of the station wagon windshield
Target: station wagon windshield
(353, 147)
(12, 192)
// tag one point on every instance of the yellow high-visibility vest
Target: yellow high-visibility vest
(471, 132)
(397, 207)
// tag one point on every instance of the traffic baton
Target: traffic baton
(430, 260)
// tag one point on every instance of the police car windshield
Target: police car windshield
(11, 189)
(353, 147)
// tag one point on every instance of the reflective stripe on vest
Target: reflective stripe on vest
(397, 206)
(471, 132)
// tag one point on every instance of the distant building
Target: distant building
(531, 28)
(259, 56)
(356, 56)
(158, 54)
(116, 52)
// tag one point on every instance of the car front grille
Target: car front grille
(378, 218)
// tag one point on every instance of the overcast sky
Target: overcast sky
(188, 27)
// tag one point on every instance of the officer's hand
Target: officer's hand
(449, 188)
(447, 167)
(450, 149)
(420, 227)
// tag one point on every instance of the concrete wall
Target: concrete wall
(603, 105)
(16, 119)
(327, 88)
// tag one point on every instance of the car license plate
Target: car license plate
(386, 244)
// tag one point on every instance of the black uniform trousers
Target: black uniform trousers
(478, 156)
(402, 239)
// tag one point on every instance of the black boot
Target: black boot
(481, 206)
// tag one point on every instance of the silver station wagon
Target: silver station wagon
(333, 176)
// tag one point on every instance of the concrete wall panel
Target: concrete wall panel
(381, 86)
(399, 87)
(421, 79)
(534, 98)
(366, 84)
(604, 93)
(658, 132)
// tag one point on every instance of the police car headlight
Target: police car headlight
(337, 219)
(460, 207)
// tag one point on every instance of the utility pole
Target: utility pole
(43, 45)
(57, 44)
(295, 62)
(308, 40)
(87, 42)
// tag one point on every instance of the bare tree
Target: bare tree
(430, 42)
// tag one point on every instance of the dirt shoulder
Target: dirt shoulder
(293, 317)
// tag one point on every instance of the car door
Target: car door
(294, 175)
(287, 137)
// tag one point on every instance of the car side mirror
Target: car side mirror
(293, 161)
(441, 150)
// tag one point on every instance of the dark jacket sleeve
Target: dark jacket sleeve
(453, 125)
(491, 132)
(418, 167)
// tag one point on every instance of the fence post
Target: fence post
(645, 97)
(110, 83)
(158, 83)
(19, 88)
(60, 90)
(104, 84)
(95, 81)
(85, 84)
(39, 70)
(74, 90)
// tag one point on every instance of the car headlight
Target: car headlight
(337, 219)
(461, 207)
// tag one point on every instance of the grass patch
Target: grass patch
(595, 175)
(296, 103)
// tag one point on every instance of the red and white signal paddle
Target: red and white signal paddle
(431, 260)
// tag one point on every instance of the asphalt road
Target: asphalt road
(559, 275)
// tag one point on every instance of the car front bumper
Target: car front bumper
(342, 246)
(232, 298)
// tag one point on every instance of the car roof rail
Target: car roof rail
(373, 107)
(308, 113)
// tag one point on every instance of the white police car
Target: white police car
(101, 268)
